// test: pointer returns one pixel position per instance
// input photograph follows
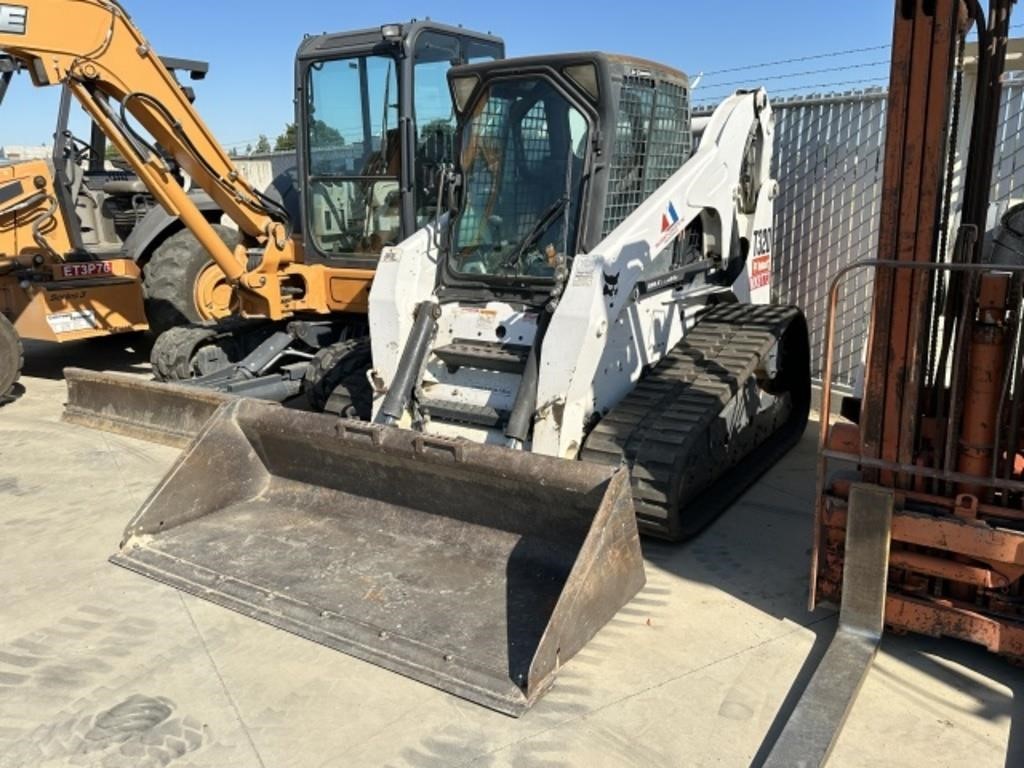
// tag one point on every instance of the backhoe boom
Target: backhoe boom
(93, 46)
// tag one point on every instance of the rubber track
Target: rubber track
(329, 376)
(663, 428)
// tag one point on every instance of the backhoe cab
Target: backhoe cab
(374, 125)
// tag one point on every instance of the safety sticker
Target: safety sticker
(76, 320)
(760, 271)
(583, 272)
(669, 218)
(671, 225)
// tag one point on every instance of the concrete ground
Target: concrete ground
(101, 667)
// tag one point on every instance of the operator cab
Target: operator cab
(376, 123)
(555, 153)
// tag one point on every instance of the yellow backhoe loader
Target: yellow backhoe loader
(79, 237)
(303, 275)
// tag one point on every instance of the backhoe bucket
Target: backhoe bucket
(165, 413)
(476, 569)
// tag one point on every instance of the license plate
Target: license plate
(86, 269)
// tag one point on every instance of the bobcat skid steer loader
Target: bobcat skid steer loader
(582, 341)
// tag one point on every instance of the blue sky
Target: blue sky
(250, 46)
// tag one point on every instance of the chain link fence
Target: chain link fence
(1008, 175)
(828, 160)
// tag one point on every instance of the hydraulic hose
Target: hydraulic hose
(521, 419)
(411, 365)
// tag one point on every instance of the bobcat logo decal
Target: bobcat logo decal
(611, 284)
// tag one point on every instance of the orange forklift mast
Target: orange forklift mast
(919, 519)
(944, 392)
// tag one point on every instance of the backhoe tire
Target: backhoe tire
(12, 358)
(336, 382)
(171, 276)
(188, 351)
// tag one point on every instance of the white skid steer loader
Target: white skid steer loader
(581, 343)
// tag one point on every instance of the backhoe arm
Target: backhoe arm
(93, 46)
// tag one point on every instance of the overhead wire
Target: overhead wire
(710, 99)
(712, 91)
(813, 57)
(804, 73)
(768, 64)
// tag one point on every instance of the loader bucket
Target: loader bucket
(170, 414)
(475, 569)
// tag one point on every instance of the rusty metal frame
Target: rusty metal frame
(922, 58)
(941, 558)
(1002, 548)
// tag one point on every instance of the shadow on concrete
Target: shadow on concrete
(823, 628)
(759, 552)
(927, 655)
(16, 393)
(126, 353)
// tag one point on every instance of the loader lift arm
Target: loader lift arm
(93, 47)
